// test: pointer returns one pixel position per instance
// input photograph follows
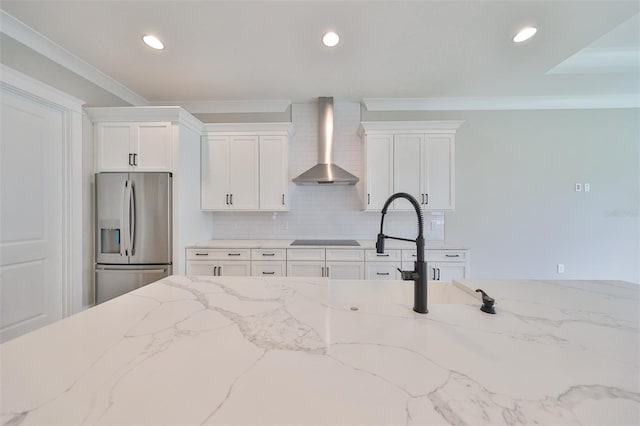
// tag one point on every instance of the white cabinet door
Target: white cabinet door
(238, 268)
(407, 167)
(274, 173)
(309, 268)
(200, 268)
(133, 147)
(214, 174)
(113, 146)
(378, 170)
(152, 147)
(448, 271)
(439, 172)
(244, 173)
(345, 270)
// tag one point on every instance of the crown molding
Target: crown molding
(249, 106)
(174, 114)
(250, 128)
(431, 126)
(24, 34)
(502, 103)
(11, 79)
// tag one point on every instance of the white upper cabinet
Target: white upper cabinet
(378, 169)
(245, 167)
(230, 173)
(413, 157)
(274, 173)
(133, 146)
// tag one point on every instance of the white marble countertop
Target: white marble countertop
(291, 351)
(364, 244)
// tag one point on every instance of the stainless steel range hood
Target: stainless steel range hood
(325, 172)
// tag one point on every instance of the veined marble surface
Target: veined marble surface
(290, 351)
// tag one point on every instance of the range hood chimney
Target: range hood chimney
(325, 172)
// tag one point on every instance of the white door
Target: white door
(345, 270)
(273, 173)
(439, 172)
(153, 150)
(378, 170)
(407, 161)
(244, 173)
(114, 142)
(302, 268)
(31, 219)
(214, 182)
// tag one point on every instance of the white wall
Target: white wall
(516, 206)
(323, 211)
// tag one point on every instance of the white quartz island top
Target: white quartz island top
(292, 351)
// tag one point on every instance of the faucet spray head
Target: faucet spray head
(380, 243)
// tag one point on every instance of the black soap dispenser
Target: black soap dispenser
(487, 302)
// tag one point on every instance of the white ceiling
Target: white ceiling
(267, 50)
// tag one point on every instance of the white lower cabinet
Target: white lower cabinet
(265, 268)
(345, 270)
(229, 268)
(442, 265)
(305, 268)
(335, 263)
(381, 271)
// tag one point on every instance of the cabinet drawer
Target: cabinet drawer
(268, 254)
(409, 255)
(387, 256)
(347, 255)
(382, 271)
(268, 269)
(447, 255)
(305, 254)
(218, 254)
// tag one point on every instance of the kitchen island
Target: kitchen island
(240, 350)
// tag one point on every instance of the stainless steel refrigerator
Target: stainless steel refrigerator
(133, 231)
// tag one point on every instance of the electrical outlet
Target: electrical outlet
(587, 187)
(578, 187)
(561, 268)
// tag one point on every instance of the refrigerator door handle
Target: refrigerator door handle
(124, 243)
(132, 219)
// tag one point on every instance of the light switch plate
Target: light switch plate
(578, 187)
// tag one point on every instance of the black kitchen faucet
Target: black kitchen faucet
(419, 274)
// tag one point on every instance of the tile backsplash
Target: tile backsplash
(324, 211)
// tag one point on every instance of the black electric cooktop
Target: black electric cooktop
(349, 243)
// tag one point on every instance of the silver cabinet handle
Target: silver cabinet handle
(283, 199)
(220, 271)
(135, 159)
(215, 271)
(233, 254)
(426, 198)
(422, 199)
(382, 255)
(202, 254)
(452, 255)
(368, 199)
(322, 273)
(231, 199)
(434, 273)
(268, 273)
(268, 254)
(328, 272)
(227, 201)
(130, 159)
(382, 273)
(438, 273)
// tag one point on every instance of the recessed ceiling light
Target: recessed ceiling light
(330, 39)
(153, 41)
(524, 34)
